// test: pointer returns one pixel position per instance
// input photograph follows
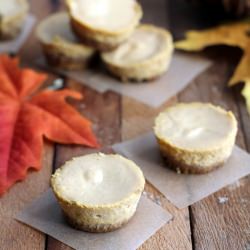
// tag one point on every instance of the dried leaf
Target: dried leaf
(25, 120)
(235, 34)
(231, 34)
(242, 72)
(246, 93)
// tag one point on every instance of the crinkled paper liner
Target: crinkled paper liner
(182, 189)
(45, 215)
(182, 70)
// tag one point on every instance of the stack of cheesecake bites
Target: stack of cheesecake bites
(110, 29)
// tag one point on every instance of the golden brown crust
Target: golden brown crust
(197, 161)
(87, 39)
(129, 80)
(62, 50)
(11, 29)
(146, 73)
(182, 168)
(102, 217)
(97, 228)
(99, 219)
(145, 70)
(11, 26)
(57, 59)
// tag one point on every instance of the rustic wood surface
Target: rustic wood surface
(207, 224)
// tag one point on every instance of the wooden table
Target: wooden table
(207, 224)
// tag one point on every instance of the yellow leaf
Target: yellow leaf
(246, 93)
(242, 72)
(234, 34)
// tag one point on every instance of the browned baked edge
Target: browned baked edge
(98, 228)
(10, 35)
(13, 27)
(183, 168)
(61, 61)
(87, 40)
(14, 30)
(132, 80)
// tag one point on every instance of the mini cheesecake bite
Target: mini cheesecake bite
(104, 24)
(98, 192)
(195, 137)
(61, 47)
(12, 16)
(144, 56)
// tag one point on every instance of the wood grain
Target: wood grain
(216, 225)
(207, 224)
(15, 235)
(31, 50)
(137, 119)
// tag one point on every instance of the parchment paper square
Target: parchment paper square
(182, 70)
(182, 190)
(45, 215)
(13, 46)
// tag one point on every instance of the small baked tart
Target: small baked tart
(104, 24)
(98, 192)
(144, 56)
(60, 46)
(196, 137)
(12, 16)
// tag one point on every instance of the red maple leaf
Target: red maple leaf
(25, 119)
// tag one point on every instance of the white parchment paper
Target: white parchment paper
(14, 45)
(182, 70)
(45, 215)
(182, 190)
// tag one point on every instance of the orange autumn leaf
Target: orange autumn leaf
(26, 119)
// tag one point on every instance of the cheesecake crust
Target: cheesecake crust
(99, 219)
(183, 168)
(145, 70)
(61, 52)
(97, 228)
(198, 161)
(103, 217)
(11, 26)
(56, 57)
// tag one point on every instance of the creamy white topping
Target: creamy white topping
(98, 179)
(105, 14)
(194, 126)
(9, 7)
(57, 25)
(142, 45)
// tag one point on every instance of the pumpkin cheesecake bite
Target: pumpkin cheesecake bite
(195, 137)
(104, 24)
(144, 56)
(98, 192)
(12, 16)
(60, 46)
